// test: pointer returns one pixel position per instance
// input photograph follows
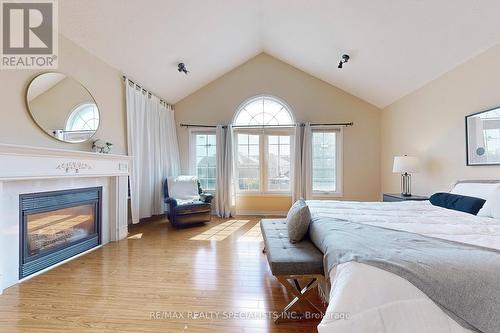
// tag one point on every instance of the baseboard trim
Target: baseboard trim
(122, 232)
(261, 212)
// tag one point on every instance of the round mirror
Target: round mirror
(62, 107)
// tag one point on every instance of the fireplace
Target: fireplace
(57, 225)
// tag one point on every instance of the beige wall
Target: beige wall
(311, 100)
(430, 124)
(103, 82)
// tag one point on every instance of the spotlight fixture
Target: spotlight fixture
(181, 67)
(345, 58)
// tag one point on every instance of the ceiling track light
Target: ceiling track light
(181, 67)
(345, 59)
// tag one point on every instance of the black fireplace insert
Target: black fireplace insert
(57, 225)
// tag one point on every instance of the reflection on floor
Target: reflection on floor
(221, 231)
(135, 236)
(252, 235)
(161, 281)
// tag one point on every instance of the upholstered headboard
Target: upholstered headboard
(480, 181)
(475, 188)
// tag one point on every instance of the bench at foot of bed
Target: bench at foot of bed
(290, 262)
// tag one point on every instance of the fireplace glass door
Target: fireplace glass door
(50, 230)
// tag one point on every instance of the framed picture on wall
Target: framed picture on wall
(483, 137)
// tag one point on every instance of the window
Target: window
(203, 158)
(326, 149)
(278, 162)
(263, 110)
(264, 152)
(84, 117)
(248, 162)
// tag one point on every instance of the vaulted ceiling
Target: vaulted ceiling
(395, 46)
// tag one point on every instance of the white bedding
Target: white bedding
(379, 301)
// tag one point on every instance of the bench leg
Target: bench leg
(299, 293)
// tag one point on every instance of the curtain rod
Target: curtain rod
(268, 126)
(149, 92)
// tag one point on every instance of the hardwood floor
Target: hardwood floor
(136, 284)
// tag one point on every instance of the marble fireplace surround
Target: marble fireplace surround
(25, 169)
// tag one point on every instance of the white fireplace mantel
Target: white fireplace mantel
(25, 169)
(25, 162)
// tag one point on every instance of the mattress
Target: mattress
(367, 299)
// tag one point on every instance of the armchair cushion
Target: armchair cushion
(192, 208)
(183, 187)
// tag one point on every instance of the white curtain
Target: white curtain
(152, 141)
(297, 187)
(306, 165)
(224, 199)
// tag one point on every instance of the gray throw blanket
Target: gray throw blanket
(462, 279)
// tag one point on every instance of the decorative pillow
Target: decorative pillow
(491, 207)
(298, 220)
(461, 203)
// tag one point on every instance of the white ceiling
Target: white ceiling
(396, 46)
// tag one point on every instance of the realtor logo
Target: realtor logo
(29, 34)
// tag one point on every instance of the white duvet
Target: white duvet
(371, 300)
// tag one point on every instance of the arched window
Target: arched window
(263, 111)
(84, 117)
(263, 163)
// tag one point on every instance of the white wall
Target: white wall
(103, 82)
(310, 99)
(430, 123)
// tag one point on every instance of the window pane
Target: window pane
(324, 161)
(205, 160)
(264, 111)
(253, 151)
(243, 138)
(253, 139)
(211, 140)
(278, 168)
(248, 162)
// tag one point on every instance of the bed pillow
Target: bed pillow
(461, 203)
(298, 220)
(476, 190)
(491, 207)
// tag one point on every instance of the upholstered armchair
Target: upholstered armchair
(186, 204)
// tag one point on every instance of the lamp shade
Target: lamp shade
(406, 164)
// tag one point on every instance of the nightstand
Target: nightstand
(392, 197)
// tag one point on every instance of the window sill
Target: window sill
(330, 195)
(263, 194)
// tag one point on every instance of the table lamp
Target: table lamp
(406, 165)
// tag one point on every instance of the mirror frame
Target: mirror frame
(467, 146)
(26, 102)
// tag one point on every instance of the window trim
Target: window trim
(192, 152)
(339, 162)
(263, 134)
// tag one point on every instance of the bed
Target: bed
(364, 298)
